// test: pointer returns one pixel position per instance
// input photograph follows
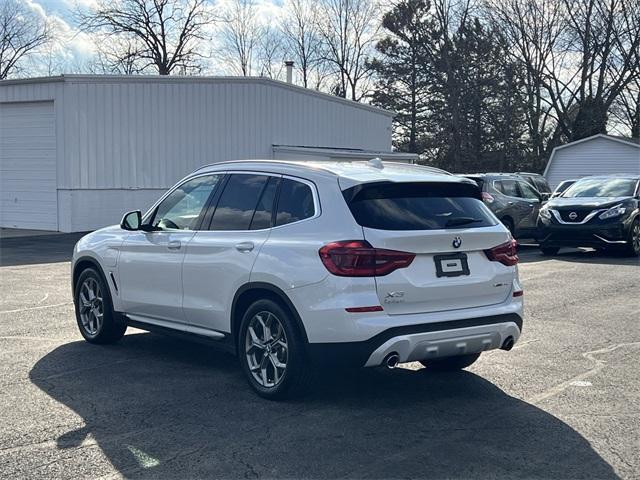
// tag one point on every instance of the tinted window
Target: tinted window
(294, 203)
(528, 192)
(418, 206)
(238, 202)
(602, 187)
(508, 187)
(182, 207)
(264, 210)
(541, 185)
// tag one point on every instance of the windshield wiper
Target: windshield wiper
(459, 221)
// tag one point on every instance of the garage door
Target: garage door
(28, 196)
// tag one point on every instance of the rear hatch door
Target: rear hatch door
(448, 228)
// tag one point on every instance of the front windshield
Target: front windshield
(602, 187)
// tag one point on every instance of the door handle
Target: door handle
(509, 203)
(244, 246)
(174, 245)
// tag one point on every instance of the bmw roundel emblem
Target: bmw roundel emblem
(457, 241)
(573, 215)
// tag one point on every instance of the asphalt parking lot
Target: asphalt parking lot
(565, 403)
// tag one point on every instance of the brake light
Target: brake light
(487, 197)
(505, 253)
(357, 258)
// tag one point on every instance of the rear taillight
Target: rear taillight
(357, 258)
(505, 253)
(487, 197)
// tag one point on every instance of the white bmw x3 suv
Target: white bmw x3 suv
(295, 264)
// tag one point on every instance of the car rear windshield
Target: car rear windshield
(418, 206)
(602, 187)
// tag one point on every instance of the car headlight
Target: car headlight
(545, 213)
(613, 212)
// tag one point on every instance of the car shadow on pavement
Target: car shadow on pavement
(531, 254)
(37, 249)
(161, 407)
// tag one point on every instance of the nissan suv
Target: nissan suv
(293, 265)
(601, 212)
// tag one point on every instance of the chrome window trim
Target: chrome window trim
(557, 216)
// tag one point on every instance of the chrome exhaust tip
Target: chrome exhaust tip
(391, 360)
(507, 344)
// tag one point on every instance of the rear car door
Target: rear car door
(449, 229)
(150, 262)
(517, 208)
(220, 257)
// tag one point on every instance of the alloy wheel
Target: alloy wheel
(635, 237)
(91, 306)
(266, 349)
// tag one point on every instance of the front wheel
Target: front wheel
(271, 351)
(633, 248)
(449, 364)
(97, 321)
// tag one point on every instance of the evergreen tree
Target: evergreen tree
(403, 68)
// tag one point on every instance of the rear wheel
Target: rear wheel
(271, 351)
(549, 250)
(448, 364)
(97, 321)
(633, 248)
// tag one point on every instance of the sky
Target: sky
(71, 48)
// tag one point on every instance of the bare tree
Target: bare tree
(349, 31)
(303, 40)
(271, 53)
(120, 56)
(534, 30)
(22, 32)
(626, 109)
(241, 35)
(169, 33)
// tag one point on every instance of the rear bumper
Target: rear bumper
(422, 341)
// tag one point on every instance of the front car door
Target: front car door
(532, 199)
(220, 257)
(150, 262)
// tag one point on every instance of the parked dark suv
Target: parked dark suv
(513, 200)
(599, 212)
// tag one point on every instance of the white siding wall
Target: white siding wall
(121, 142)
(598, 156)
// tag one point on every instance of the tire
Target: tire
(450, 364)
(633, 248)
(549, 250)
(263, 352)
(97, 321)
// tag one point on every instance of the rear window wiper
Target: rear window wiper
(459, 221)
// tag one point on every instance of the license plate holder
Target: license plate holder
(451, 265)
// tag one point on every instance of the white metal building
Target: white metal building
(77, 151)
(597, 155)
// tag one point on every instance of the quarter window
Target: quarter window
(238, 202)
(181, 209)
(295, 202)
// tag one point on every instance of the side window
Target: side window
(181, 209)
(528, 192)
(510, 188)
(295, 202)
(238, 202)
(264, 210)
(541, 185)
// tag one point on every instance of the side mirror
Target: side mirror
(131, 221)
(545, 196)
